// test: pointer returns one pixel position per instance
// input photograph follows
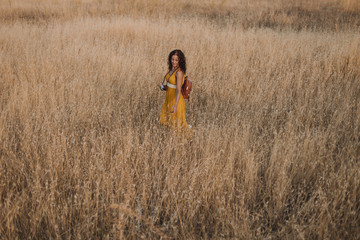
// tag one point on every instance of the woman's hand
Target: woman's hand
(163, 87)
(173, 109)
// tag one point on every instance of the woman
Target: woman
(173, 110)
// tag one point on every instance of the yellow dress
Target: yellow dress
(174, 120)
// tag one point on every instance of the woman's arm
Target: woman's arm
(179, 77)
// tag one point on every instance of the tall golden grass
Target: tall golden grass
(275, 111)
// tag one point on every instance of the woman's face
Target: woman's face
(175, 61)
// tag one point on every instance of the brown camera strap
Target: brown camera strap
(170, 74)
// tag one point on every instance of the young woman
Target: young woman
(173, 110)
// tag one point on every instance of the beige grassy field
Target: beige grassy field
(275, 111)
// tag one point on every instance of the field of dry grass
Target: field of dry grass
(275, 111)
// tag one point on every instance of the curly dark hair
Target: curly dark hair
(182, 60)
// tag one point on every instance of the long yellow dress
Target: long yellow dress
(174, 120)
